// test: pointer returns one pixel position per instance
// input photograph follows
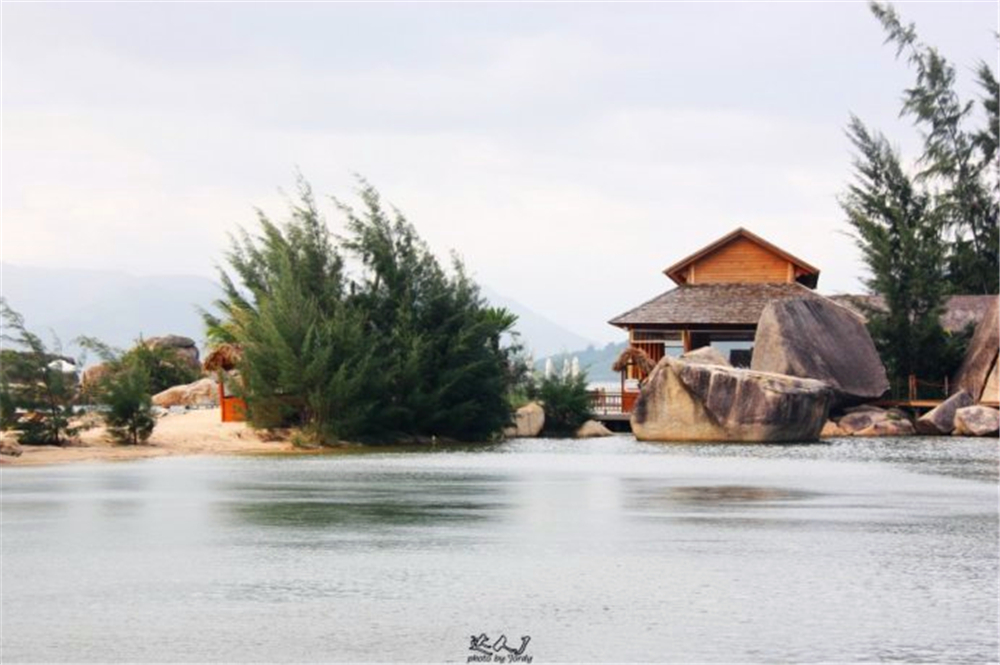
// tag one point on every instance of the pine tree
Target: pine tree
(399, 348)
(957, 159)
(32, 381)
(124, 390)
(902, 244)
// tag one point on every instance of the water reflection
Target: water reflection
(600, 551)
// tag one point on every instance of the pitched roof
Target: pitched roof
(675, 272)
(959, 311)
(718, 304)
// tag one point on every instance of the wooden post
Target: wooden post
(913, 387)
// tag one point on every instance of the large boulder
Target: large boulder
(93, 375)
(991, 393)
(941, 419)
(683, 401)
(183, 346)
(816, 338)
(204, 392)
(528, 421)
(977, 421)
(981, 357)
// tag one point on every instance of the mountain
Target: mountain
(113, 306)
(596, 361)
(539, 334)
(117, 307)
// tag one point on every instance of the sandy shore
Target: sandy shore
(197, 432)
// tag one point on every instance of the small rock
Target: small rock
(592, 429)
(857, 420)
(977, 421)
(941, 419)
(10, 447)
(528, 421)
(832, 430)
(888, 427)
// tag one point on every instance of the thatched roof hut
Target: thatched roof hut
(224, 357)
(634, 357)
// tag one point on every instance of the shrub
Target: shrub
(129, 415)
(566, 402)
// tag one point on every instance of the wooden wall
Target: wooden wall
(740, 261)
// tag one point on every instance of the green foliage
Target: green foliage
(124, 391)
(566, 402)
(958, 161)
(130, 410)
(901, 243)
(163, 366)
(925, 237)
(399, 348)
(31, 382)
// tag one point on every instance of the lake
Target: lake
(599, 550)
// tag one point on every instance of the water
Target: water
(604, 550)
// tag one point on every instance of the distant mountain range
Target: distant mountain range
(596, 361)
(117, 307)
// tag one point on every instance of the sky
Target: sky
(567, 152)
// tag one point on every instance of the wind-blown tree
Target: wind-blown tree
(958, 159)
(902, 244)
(123, 389)
(32, 379)
(400, 348)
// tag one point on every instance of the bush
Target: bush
(129, 417)
(566, 402)
(164, 367)
(124, 390)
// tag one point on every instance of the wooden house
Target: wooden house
(721, 291)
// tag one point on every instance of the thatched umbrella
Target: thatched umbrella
(634, 357)
(224, 357)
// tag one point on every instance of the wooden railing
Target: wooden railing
(914, 389)
(608, 402)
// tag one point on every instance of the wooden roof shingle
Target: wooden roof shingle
(710, 304)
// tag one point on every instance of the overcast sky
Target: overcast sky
(568, 152)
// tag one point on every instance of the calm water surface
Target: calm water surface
(606, 550)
